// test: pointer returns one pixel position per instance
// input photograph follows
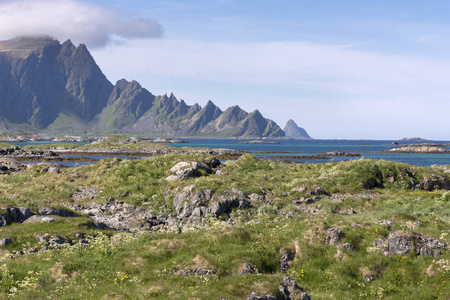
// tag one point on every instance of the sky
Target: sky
(340, 69)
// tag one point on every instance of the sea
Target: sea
(291, 149)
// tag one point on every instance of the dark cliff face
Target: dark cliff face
(56, 87)
(40, 78)
(293, 131)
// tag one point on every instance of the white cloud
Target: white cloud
(82, 22)
(324, 68)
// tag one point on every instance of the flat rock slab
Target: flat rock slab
(36, 218)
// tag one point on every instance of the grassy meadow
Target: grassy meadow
(145, 264)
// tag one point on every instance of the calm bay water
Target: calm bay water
(367, 148)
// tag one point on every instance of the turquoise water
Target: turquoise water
(367, 148)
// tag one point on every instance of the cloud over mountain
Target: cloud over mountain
(82, 22)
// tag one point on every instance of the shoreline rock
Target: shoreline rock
(168, 141)
(420, 148)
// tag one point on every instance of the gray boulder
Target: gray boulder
(224, 204)
(428, 246)
(261, 297)
(187, 173)
(319, 191)
(348, 247)
(398, 243)
(14, 215)
(247, 268)
(18, 215)
(289, 290)
(5, 241)
(184, 170)
(332, 236)
(180, 166)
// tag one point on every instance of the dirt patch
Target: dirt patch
(56, 272)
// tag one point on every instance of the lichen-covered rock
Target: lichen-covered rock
(261, 297)
(180, 166)
(319, 191)
(348, 247)
(247, 268)
(187, 173)
(224, 204)
(332, 236)
(185, 170)
(118, 215)
(398, 243)
(428, 246)
(289, 290)
(199, 272)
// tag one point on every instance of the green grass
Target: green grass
(142, 265)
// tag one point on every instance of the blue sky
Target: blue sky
(340, 69)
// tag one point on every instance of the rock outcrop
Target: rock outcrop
(288, 290)
(399, 243)
(8, 165)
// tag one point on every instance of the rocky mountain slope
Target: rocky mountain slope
(291, 130)
(48, 86)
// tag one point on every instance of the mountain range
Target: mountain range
(50, 87)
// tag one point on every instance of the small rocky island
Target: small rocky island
(260, 142)
(413, 139)
(421, 148)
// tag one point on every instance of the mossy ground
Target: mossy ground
(142, 265)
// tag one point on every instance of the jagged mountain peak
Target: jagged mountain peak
(123, 83)
(233, 109)
(210, 104)
(291, 122)
(293, 131)
(256, 113)
(68, 47)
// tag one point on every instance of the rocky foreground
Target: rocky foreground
(188, 226)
